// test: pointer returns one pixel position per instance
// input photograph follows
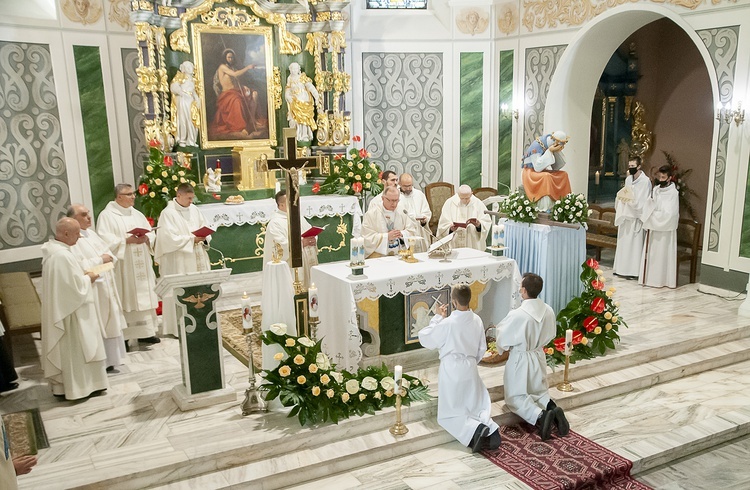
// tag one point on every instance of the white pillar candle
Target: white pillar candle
(596, 178)
(312, 298)
(247, 312)
(361, 250)
(278, 186)
(354, 250)
(397, 378)
(501, 235)
(495, 235)
(568, 341)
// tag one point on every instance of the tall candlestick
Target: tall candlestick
(397, 371)
(247, 313)
(312, 298)
(568, 341)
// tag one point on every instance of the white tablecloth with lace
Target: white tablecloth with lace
(261, 210)
(338, 292)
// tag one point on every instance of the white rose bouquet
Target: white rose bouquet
(572, 208)
(519, 208)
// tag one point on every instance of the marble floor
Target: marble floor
(136, 437)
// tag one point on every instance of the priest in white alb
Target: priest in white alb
(416, 205)
(386, 226)
(661, 216)
(73, 357)
(177, 249)
(134, 271)
(628, 207)
(464, 215)
(464, 408)
(91, 252)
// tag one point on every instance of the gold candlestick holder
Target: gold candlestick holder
(314, 322)
(565, 385)
(398, 429)
(298, 287)
(253, 402)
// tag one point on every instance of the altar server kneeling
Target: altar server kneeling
(463, 400)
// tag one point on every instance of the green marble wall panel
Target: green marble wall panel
(95, 126)
(203, 345)
(745, 236)
(505, 125)
(136, 119)
(471, 85)
(242, 246)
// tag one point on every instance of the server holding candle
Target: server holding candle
(463, 400)
(525, 332)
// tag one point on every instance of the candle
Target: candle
(354, 251)
(596, 178)
(397, 378)
(361, 250)
(278, 186)
(312, 298)
(568, 341)
(501, 235)
(247, 313)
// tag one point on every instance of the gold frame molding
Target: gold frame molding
(266, 32)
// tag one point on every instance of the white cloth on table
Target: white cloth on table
(89, 250)
(277, 231)
(455, 212)
(661, 216)
(176, 252)
(463, 400)
(630, 226)
(376, 224)
(417, 206)
(525, 332)
(72, 349)
(134, 272)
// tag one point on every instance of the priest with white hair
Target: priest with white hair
(464, 216)
(386, 226)
(416, 205)
(91, 251)
(73, 357)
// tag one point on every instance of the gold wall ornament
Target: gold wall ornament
(342, 230)
(229, 17)
(549, 13)
(300, 18)
(145, 5)
(322, 16)
(167, 11)
(290, 44)
(640, 135)
(247, 172)
(277, 99)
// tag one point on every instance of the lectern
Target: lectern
(193, 296)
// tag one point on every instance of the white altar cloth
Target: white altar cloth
(338, 292)
(261, 210)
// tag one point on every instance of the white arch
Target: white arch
(574, 82)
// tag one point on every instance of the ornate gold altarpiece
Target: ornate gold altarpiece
(168, 35)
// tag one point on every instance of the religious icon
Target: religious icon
(235, 71)
(83, 11)
(419, 308)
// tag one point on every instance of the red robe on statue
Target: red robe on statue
(234, 113)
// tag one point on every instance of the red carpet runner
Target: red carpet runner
(570, 462)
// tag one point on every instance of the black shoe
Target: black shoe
(563, 427)
(493, 442)
(150, 340)
(9, 387)
(112, 370)
(480, 436)
(544, 423)
(551, 405)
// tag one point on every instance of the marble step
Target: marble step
(284, 468)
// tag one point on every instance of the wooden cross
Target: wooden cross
(291, 164)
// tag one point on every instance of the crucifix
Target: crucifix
(291, 164)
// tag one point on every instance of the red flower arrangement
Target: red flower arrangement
(598, 305)
(352, 173)
(316, 188)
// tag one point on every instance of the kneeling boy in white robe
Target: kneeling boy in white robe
(463, 400)
(525, 332)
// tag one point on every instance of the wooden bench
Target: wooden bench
(602, 232)
(688, 245)
(20, 308)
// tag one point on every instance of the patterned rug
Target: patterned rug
(26, 432)
(234, 339)
(570, 462)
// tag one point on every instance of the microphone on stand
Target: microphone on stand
(419, 226)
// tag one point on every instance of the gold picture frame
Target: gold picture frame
(236, 111)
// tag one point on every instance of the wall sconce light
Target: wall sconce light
(726, 114)
(507, 112)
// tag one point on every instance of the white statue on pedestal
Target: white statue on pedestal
(213, 180)
(185, 103)
(301, 96)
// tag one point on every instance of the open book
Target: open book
(459, 225)
(139, 232)
(101, 268)
(313, 231)
(441, 242)
(204, 232)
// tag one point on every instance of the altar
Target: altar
(241, 229)
(555, 253)
(350, 308)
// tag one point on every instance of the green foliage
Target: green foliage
(519, 208)
(679, 177)
(159, 181)
(593, 316)
(352, 173)
(307, 381)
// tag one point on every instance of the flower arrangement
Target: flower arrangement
(593, 316)
(307, 381)
(352, 173)
(519, 208)
(159, 181)
(679, 178)
(572, 208)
